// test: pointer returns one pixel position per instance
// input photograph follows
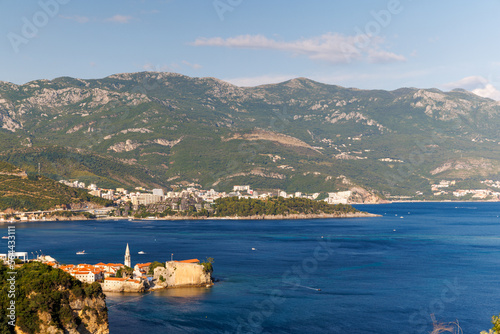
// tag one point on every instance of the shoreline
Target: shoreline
(256, 217)
(429, 201)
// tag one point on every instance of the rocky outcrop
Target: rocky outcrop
(52, 301)
(178, 274)
(89, 317)
(361, 195)
(130, 145)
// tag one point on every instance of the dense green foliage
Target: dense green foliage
(124, 272)
(234, 206)
(37, 192)
(63, 163)
(154, 265)
(40, 288)
(68, 214)
(8, 168)
(208, 265)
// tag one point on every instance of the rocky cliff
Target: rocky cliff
(178, 274)
(51, 301)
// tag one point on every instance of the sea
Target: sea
(415, 266)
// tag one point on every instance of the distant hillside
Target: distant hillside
(19, 191)
(169, 130)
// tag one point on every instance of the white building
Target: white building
(340, 197)
(145, 199)
(241, 188)
(158, 192)
(87, 276)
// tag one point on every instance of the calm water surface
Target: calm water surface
(362, 275)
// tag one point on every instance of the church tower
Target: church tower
(127, 258)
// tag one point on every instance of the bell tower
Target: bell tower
(127, 258)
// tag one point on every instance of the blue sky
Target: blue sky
(365, 44)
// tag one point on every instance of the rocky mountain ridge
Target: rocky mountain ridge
(205, 131)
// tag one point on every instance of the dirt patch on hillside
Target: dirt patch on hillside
(279, 138)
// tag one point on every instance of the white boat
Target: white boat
(5, 237)
(141, 252)
(253, 248)
(81, 252)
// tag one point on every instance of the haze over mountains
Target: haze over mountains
(164, 129)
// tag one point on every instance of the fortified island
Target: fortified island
(118, 277)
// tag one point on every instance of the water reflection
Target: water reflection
(174, 295)
(182, 295)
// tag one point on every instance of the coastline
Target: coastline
(255, 217)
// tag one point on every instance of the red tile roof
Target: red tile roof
(189, 261)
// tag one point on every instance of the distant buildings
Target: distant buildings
(145, 199)
(341, 197)
(158, 192)
(241, 188)
(74, 184)
(84, 272)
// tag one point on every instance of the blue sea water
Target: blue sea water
(362, 275)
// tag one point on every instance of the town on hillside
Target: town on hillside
(144, 197)
(193, 201)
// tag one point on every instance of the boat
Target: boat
(141, 252)
(5, 237)
(253, 248)
(81, 252)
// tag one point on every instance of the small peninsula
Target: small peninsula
(249, 208)
(33, 197)
(48, 300)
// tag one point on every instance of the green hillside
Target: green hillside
(23, 192)
(167, 130)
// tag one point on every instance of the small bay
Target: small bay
(385, 274)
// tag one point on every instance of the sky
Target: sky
(366, 44)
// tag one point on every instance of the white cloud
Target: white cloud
(476, 84)
(488, 91)
(193, 66)
(469, 83)
(119, 19)
(76, 18)
(332, 48)
(380, 56)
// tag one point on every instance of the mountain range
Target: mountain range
(156, 129)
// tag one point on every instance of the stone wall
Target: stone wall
(178, 274)
(122, 286)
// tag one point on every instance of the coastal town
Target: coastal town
(125, 277)
(143, 197)
(192, 199)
